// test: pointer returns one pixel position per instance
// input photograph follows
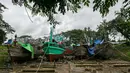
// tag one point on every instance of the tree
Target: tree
(2, 36)
(121, 26)
(51, 7)
(78, 35)
(25, 36)
(4, 26)
(122, 22)
(103, 30)
(75, 35)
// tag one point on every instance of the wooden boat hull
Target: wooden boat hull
(68, 51)
(54, 57)
(19, 54)
(53, 51)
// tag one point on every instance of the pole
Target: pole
(51, 33)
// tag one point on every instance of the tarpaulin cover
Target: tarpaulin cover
(27, 47)
(98, 41)
(91, 51)
(78, 44)
(9, 41)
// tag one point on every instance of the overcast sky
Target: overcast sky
(17, 17)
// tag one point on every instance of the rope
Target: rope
(28, 14)
(122, 53)
(98, 52)
(41, 61)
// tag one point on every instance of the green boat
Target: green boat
(21, 51)
(52, 49)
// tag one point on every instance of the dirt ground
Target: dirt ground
(78, 66)
(114, 66)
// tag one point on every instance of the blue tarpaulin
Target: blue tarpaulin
(9, 41)
(91, 51)
(98, 41)
(78, 44)
(101, 41)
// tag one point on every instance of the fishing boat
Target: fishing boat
(19, 54)
(52, 50)
(22, 52)
(68, 51)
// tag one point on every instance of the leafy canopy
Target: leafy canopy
(121, 24)
(51, 7)
(4, 25)
(2, 36)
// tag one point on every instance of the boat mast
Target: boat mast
(51, 33)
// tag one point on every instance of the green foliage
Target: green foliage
(2, 60)
(78, 35)
(122, 26)
(75, 35)
(103, 5)
(103, 30)
(123, 53)
(2, 36)
(3, 55)
(50, 7)
(25, 36)
(3, 47)
(4, 25)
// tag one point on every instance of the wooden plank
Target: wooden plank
(5, 68)
(43, 66)
(91, 65)
(40, 70)
(121, 65)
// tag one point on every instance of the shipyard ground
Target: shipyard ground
(75, 66)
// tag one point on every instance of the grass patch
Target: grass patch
(3, 50)
(3, 55)
(3, 60)
(124, 53)
(3, 47)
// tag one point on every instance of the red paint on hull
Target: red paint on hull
(68, 51)
(54, 57)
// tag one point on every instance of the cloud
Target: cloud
(17, 17)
